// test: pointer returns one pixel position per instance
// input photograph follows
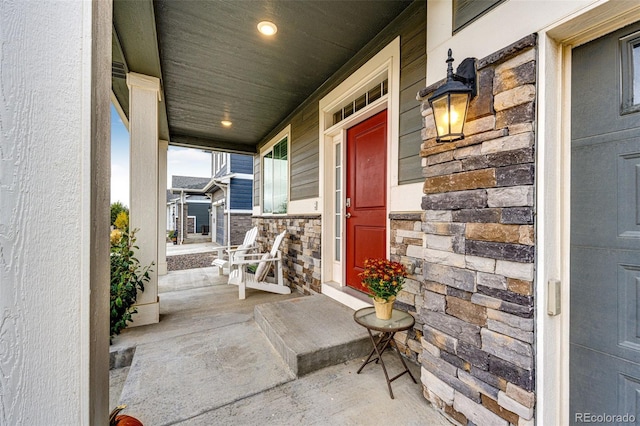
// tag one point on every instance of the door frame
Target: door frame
(553, 195)
(387, 61)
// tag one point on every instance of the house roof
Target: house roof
(171, 196)
(196, 184)
(214, 65)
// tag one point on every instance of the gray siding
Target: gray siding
(305, 156)
(413, 60)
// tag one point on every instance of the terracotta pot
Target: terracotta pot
(383, 307)
(116, 419)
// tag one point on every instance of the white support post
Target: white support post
(144, 92)
(162, 207)
(54, 212)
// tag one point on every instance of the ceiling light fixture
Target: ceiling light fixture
(226, 123)
(267, 28)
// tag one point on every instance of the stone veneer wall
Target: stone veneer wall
(478, 361)
(406, 248)
(240, 224)
(189, 225)
(300, 249)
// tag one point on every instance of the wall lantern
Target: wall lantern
(450, 102)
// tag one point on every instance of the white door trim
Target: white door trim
(386, 61)
(553, 173)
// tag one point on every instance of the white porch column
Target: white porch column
(144, 92)
(54, 212)
(163, 146)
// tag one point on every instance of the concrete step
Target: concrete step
(313, 332)
(121, 357)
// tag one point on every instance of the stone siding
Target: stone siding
(240, 224)
(478, 359)
(300, 248)
(406, 248)
(189, 224)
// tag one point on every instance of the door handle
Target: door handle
(347, 216)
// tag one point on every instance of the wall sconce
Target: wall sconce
(450, 102)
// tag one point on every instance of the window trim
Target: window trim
(627, 103)
(264, 150)
(475, 10)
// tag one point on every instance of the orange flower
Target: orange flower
(382, 277)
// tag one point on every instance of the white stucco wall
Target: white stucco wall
(54, 211)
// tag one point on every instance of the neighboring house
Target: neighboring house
(222, 203)
(172, 209)
(231, 190)
(188, 207)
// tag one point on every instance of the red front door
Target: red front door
(366, 208)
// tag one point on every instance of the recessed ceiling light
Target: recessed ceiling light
(267, 28)
(226, 123)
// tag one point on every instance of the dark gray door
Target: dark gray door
(605, 230)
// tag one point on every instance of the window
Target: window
(338, 202)
(216, 162)
(630, 55)
(375, 92)
(467, 11)
(275, 169)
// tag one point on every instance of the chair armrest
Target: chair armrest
(259, 260)
(222, 250)
(235, 249)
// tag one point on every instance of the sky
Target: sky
(180, 161)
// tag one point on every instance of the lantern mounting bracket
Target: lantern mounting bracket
(466, 74)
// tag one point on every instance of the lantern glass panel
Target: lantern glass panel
(449, 113)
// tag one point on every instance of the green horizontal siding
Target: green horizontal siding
(305, 155)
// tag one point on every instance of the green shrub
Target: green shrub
(122, 221)
(116, 208)
(127, 277)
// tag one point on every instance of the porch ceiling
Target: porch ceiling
(214, 65)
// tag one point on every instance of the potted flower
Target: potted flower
(173, 236)
(384, 279)
(117, 419)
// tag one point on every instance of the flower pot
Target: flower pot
(383, 307)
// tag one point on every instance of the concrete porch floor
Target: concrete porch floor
(208, 363)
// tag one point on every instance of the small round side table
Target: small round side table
(399, 321)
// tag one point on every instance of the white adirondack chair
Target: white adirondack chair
(227, 255)
(260, 280)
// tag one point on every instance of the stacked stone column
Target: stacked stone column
(478, 359)
(406, 248)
